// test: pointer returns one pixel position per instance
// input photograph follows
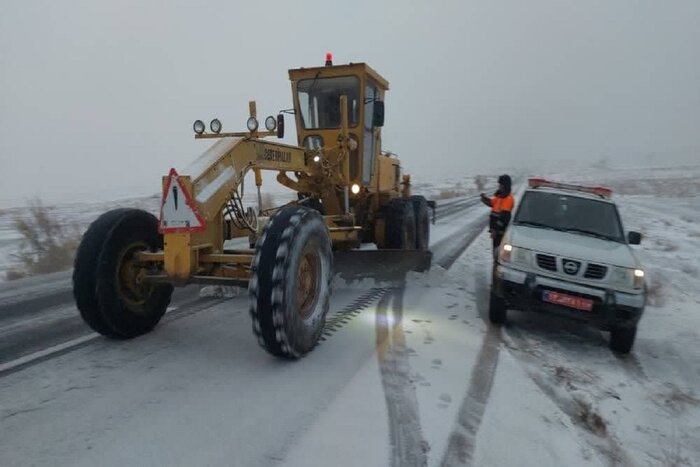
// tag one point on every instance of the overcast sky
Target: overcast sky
(97, 98)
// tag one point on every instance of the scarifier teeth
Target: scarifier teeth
(344, 316)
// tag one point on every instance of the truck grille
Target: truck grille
(571, 267)
(547, 262)
(595, 271)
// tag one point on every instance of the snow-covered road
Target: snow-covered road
(409, 373)
(88, 370)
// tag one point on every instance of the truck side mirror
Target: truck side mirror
(280, 126)
(634, 238)
(378, 114)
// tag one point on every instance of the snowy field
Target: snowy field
(77, 216)
(412, 374)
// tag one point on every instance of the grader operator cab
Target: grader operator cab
(349, 193)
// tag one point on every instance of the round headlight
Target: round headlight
(198, 127)
(317, 158)
(506, 253)
(252, 124)
(270, 123)
(215, 126)
(355, 188)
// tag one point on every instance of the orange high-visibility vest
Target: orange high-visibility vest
(499, 204)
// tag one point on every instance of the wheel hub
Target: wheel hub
(131, 276)
(308, 282)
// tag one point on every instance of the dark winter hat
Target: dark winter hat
(505, 180)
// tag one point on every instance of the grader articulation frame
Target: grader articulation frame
(349, 193)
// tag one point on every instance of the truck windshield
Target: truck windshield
(583, 216)
(319, 101)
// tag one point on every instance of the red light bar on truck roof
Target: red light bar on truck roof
(596, 190)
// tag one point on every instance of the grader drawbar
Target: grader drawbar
(350, 193)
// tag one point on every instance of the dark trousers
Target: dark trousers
(496, 236)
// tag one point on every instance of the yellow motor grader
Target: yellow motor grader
(349, 191)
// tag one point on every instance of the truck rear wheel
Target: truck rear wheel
(622, 339)
(290, 285)
(420, 211)
(401, 225)
(109, 286)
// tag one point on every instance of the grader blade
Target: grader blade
(380, 264)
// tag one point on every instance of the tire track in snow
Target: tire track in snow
(462, 440)
(580, 414)
(408, 448)
(631, 364)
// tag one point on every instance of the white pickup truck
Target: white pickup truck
(566, 252)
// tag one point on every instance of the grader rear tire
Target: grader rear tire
(114, 299)
(401, 225)
(420, 211)
(290, 285)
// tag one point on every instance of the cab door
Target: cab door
(368, 139)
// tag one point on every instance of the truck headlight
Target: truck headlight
(506, 253)
(627, 277)
(513, 254)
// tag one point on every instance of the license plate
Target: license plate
(569, 301)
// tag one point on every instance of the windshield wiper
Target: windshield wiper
(592, 234)
(313, 83)
(536, 224)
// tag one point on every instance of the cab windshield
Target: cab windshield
(319, 101)
(583, 216)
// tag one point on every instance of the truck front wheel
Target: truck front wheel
(622, 339)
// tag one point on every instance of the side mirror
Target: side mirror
(378, 114)
(634, 238)
(280, 125)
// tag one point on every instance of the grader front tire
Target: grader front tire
(290, 285)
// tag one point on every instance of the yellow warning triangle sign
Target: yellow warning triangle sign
(178, 211)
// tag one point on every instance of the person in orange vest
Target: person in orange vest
(502, 204)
